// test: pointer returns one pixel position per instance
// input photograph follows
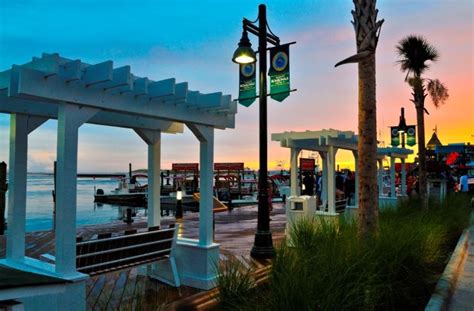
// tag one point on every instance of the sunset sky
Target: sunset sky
(194, 41)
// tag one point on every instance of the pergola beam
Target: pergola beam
(49, 110)
(28, 83)
(56, 79)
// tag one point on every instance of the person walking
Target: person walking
(464, 182)
(349, 187)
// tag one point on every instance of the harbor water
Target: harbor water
(39, 202)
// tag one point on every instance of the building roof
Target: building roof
(433, 142)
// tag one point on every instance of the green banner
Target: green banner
(411, 135)
(247, 84)
(395, 136)
(280, 72)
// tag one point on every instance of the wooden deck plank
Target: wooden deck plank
(137, 301)
(96, 291)
(127, 296)
(117, 293)
(106, 293)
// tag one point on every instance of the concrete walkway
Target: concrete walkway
(463, 297)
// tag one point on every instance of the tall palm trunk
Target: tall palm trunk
(419, 96)
(367, 148)
(367, 31)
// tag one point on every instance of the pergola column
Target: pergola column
(392, 177)
(294, 190)
(205, 134)
(70, 118)
(324, 183)
(153, 140)
(380, 176)
(331, 181)
(404, 177)
(356, 172)
(20, 126)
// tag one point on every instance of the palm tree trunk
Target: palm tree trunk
(367, 148)
(422, 179)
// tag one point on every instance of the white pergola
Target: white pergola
(74, 93)
(327, 143)
(393, 153)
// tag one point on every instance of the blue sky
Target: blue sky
(194, 40)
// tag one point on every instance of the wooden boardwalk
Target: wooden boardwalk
(131, 289)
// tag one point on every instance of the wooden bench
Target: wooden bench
(341, 206)
(99, 256)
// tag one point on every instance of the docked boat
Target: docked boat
(240, 192)
(129, 192)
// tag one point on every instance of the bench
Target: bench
(340, 206)
(99, 256)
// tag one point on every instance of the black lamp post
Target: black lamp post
(402, 126)
(263, 244)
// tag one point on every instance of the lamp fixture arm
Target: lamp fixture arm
(250, 27)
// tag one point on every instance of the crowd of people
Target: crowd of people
(312, 184)
(345, 185)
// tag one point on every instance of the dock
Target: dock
(131, 289)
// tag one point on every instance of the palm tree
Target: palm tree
(414, 52)
(367, 31)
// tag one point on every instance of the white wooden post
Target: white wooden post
(20, 126)
(154, 184)
(356, 166)
(380, 176)
(295, 190)
(392, 177)
(70, 118)
(331, 163)
(205, 135)
(153, 139)
(324, 183)
(206, 164)
(404, 177)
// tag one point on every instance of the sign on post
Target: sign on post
(247, 84)
(307, 165)
(185, 166)
(238, 166)
(280, 72)
(411, 135)
(395, 136)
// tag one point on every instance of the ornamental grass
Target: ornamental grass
(326, 266)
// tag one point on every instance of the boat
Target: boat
(129, 192)
(239, 192)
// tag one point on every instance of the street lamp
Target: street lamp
(402, 126)
(263, 244)
(244, 53)
(403, 129)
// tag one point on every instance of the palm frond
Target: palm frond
(414, 51)
(438, 92)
